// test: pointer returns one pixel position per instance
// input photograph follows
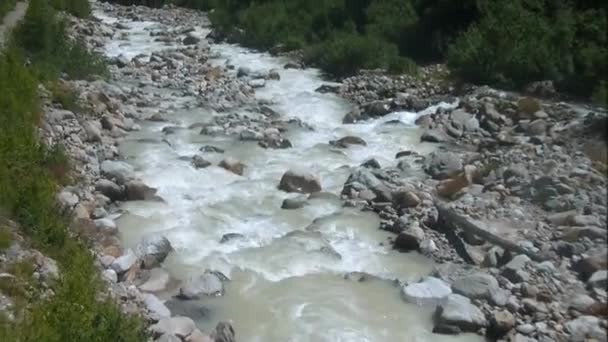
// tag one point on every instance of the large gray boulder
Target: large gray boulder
(110, 189)
(349, 140)
(367, 180)
(153, 250)
(430, 291)
(207, 284)
(585, 328)
(177, 326)
(300, 181)
(124, 262)
(138, 191)
(477, 285)
(442, 165)
(158, 281)
(120, 171)
(156, 307)
(458, 311)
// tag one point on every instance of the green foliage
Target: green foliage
(30, 174)
(5, 238)
(77, 8)
(42, 39)
(6, 6)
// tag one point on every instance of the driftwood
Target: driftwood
(450, 217)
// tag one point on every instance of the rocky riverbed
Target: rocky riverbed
(491, 212)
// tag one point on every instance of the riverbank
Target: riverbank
(186, 134)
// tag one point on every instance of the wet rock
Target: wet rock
(599, 279)
(106, 225)
(233, 166)
(300, 181)
(294, 203)
(584, 328)
(250, 135)
(168, 338)
(177, 326)
(231, 236)
(276, 142)
(352, 116)
(501, 322)
(121, 172)
(138, 191)
(292, 65)
(446, 329)
(274, 74)
(430, 291)
(459, 311)
(345, 142)
(410, 238)
(207, 284)
(442, 165)
(211, 149)
(372, 164)
(158, 281)
(198, 336)
(434, 136)
(243, 71)
(124, 262)
(596, 260)
(153, 250)
(363, 179)
(191, 39)
(475, 286)
(328, 88)
(359, 277)
(155, 306)
(405, 199)
(110, 189)
(537, 127)
(189, 308)
(199, 162)
(224, 332)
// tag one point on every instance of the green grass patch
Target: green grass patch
(30, 175)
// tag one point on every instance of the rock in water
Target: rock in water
(224, 332)
(233, 166)
(120, 171)
(177, 326)
(348, 140)
(431, 291)
(199, 162)
(459, 311)
(207, 284)
(304, 182)
(153, 250)
(138, 191)
(110, 189)
(409, 239)
(294, 203)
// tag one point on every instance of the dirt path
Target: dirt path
(10, 20)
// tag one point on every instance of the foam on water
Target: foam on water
(284, 287)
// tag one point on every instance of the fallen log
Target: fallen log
(455, 220)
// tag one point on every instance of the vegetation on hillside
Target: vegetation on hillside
(5, 7)
(29, 178)
(503, 43)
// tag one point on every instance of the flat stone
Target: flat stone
(459, 311)
(208, 284)
(124, 262)
(431, 291)
(478, 285)
(155, 306)
(501, 323)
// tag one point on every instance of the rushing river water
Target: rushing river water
(284, 286)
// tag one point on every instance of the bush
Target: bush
(77, 8)
(6, 6)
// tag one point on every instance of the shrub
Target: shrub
(77, 8)
(6, 6)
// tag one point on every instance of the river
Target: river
(284, 286)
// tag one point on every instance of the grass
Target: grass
(5, 7)
(30, 175)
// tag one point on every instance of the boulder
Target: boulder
(124, 262)
(404, 198)
(430, 291)
(364, 179)
(178, 326)
(189, 308)
(224, 332)
(231, 236)
(199, 162)
(409, 239)
(198, 336)
(585, 328)
(67, 199)
(274, 74)
(207, 284)
(294, 203)
(243, 71)
(168, 338)
(191, 39)
(514, 270)
(345, 142)
(377, 108)
(155, 306)
(458, 311)
(93, 131)
(158, 281)
(233, 166)
(599, 279)
(501, 322)
(120, 171)
(257, 83)
(300, 181)
(372, 164)
(110, 189)
(138, 191)
(153, 250)
(211, 149)
(434, 136)
(475, 286)
(443, 165)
